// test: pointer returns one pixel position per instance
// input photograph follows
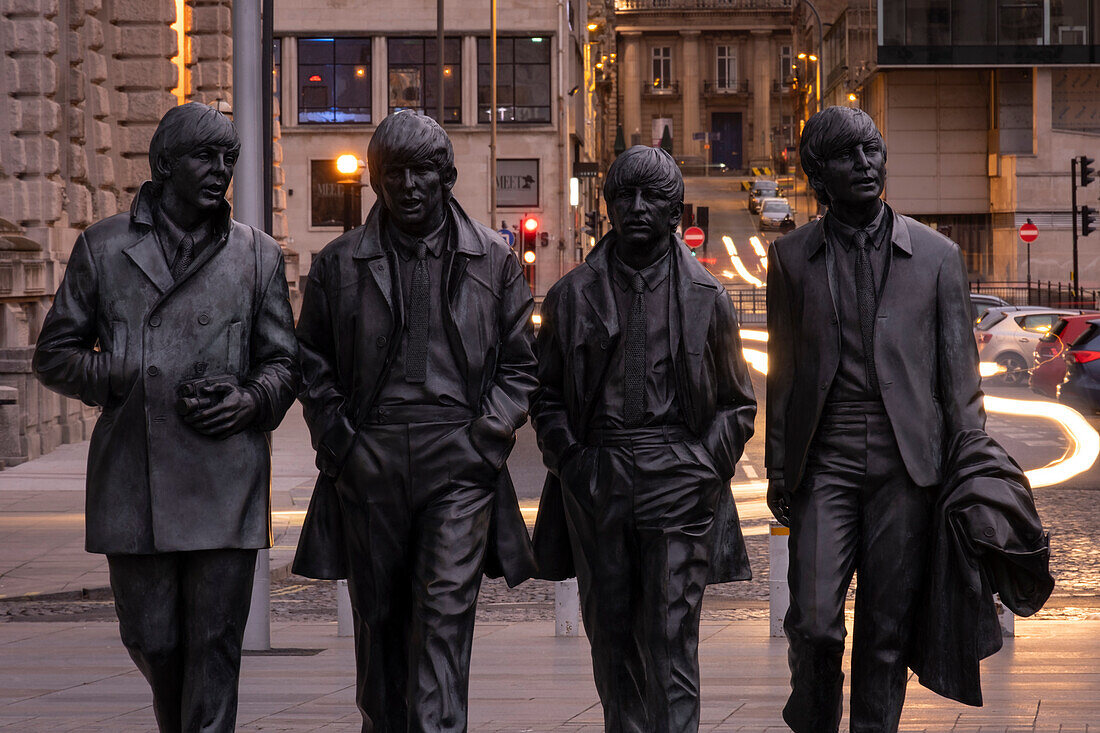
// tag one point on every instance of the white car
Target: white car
(1008, 336)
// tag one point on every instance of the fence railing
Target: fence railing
(751, 305)
(702, 4)
(1045, 294)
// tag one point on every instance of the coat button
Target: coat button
(153, 371)
(380, 342)
(204, 319)
(988, 532)
(380, 267)
(154, 320)
(603, 343)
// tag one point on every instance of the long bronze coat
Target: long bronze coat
(925, 355)
(579, 334)
(122, 335)
(348, 331)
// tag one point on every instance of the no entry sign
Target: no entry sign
(1029, 232)
(693, 237)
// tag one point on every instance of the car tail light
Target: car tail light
(1082, 357)
(984, 338)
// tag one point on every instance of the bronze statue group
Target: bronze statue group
(415, 362)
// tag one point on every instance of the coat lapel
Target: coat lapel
(148, 256)
(369, 248)
(696, 297)
(603, 314)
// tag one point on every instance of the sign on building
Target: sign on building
(518, 182)
(326, 195)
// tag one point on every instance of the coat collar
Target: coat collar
(469, 240)
(899, 234)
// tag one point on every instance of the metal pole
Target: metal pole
(1073, 215)
(267, 98)
(493, 114)
(248, 208)
(442, 56)
(820, 54)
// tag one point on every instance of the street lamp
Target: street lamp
(350, 169)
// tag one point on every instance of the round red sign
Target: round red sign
(693, 237)
(1029, 232)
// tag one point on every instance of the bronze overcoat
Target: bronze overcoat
(579, 333)
(122, 335)
(348, 331)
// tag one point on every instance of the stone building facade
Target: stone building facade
(83, 84)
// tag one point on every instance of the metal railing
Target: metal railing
(751, 305)
(626, 5)
(670, 88)
(1047, 295)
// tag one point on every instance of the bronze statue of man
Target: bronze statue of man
(643, 408)
(416, 342)
(872, 372)
(175, 319)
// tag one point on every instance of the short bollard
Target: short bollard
(567, 608)
(344, 624)
(257, 631)
(1006, 618)
(779, 596)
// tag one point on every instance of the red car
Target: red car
(1050, 366)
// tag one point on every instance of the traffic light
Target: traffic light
(1088, 218)
(529, 235)
(591, 223)
(1088, 175)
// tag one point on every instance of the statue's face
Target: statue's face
(200, 177)
(413, 194)
(854, 177)
(642, 216)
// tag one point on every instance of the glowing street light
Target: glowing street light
(347, 164)
(350, 169)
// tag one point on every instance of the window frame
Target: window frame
(533, 114)
(427, 70)
(360, 114)
(661, 55)
(728, 53)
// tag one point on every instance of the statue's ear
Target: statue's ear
(164, 167)
(449, 177)
(674, 214)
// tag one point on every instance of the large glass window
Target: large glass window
(523, 79)
(334, 76)
(786, 64)
(662, 67)
(414, 76)
(726, 77)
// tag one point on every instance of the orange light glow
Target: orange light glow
(531, 224)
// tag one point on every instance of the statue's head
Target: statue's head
(412, 169)
(192, 154)
(644, 191)
(844, 157)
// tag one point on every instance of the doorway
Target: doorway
(725, 130)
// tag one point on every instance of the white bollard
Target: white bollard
(344, 622)
(779, 594)
(257, 632)
(1006, 618)
(567, 608)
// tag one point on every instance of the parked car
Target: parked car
(981, 302)
(775, 213)
(1049, 368)
(1081, 387)
(760, 190)
(1008, 335)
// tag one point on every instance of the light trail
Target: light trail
(758, 247)
(987, 369)
(1083, 438)
(750, 334)
(740, 266)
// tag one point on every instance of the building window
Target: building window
(662, 67)
(334, 76)
(523, 79)
(414, 76)
(786, 64)
(326, 196)
(726, 77)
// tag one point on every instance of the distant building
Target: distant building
(983, 103)
(716, 73)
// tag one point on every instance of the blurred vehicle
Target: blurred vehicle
(981, 302)
(1050, 365)
(1081, 387)
(1008, 335)
(775, 213)
(760, 190)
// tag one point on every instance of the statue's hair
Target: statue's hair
(831, 131)
(405, 138)
(647, 167)
(184, 128)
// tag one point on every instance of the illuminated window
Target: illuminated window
(414, 76)
(523, 79)
(334, 80)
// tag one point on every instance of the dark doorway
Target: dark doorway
(727, 147)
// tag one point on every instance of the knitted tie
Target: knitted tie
(865, 300)
(416, 357)
(184, 257)
(634, 381)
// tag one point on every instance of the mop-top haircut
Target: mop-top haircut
(185, 128)
(406, 138)
(829, 132)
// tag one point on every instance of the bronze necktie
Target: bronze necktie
(185, 255)
(416, 356)
(634, 362)
(865, 302)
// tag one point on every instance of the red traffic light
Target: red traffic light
(531, 224)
